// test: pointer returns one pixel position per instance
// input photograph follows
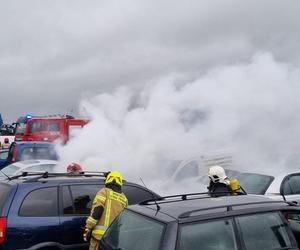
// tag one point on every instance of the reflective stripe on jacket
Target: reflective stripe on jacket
(113, 203)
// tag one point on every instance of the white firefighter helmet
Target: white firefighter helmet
(217, 174)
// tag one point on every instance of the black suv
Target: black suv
(48, 211)
(197, 221)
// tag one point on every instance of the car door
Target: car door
(76, 202)
(75, 205)
(290, 187)
(268, 230)
(33, 218)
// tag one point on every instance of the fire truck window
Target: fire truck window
(37, 126)
(54, 126)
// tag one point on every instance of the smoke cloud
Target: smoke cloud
(249, 107)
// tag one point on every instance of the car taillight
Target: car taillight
(2, 229)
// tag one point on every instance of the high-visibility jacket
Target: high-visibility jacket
(113, 204)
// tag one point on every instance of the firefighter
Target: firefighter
(74, 168)
(107, 204)
(219, 184)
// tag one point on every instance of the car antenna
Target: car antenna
(154, 199)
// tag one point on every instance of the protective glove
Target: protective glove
(87, 234)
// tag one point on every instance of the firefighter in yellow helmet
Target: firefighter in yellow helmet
(107, 204)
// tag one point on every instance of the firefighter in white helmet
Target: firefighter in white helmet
(107, 205)
(219, 184)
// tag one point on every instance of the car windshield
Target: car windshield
(30, 153)
(20, 128)
(252, 183)
(10, 170)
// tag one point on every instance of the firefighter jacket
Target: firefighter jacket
(219, 189)
(112, 203)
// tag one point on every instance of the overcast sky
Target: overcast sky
(55, 53)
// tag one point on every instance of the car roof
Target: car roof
(43, 177)
(31, 163)
(30, 143)
(204, 206)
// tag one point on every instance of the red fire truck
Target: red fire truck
(47, 128)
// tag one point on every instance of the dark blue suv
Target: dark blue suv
(48, 211)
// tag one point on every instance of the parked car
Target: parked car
(196, 174)
(28, 150)
(280, 186)
(286, 186)
(49, 210)
(197, 221)
(28, 166)
(3, 154)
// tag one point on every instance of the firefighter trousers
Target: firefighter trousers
(94, 244)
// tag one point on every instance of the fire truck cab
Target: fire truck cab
(48, 128)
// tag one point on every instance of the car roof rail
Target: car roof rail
(204, 195)
(183, 197)
(229, 207)
(45, 174)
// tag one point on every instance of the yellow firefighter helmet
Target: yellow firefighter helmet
(114, 177)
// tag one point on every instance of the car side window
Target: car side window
(41, 202)
(210, 235)
(264, 231)
(78, 199)
(143, 232)
(294, 223)
(136, 194)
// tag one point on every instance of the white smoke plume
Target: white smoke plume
(251, 107)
